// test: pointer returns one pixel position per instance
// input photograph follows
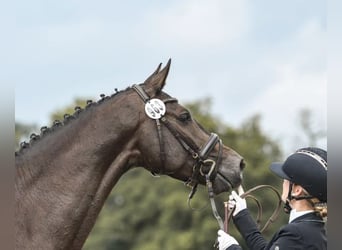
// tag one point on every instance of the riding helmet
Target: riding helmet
(306, 167)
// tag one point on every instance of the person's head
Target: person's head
(305, 178)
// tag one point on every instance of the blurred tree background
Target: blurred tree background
(148, 213)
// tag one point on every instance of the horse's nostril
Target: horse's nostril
(242, 164)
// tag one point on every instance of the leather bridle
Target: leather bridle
(203, 165)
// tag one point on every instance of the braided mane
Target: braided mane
(67, 118)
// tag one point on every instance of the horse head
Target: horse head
(173, 143)
(65, 174)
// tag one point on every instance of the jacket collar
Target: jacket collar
(310, 216)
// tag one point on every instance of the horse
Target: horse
(64, 174)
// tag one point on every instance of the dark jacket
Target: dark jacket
(305, 232)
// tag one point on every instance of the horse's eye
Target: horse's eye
(184, 117)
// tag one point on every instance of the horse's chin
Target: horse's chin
(221, 184)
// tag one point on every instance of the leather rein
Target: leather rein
(229, 210)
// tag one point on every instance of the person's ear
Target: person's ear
(297, 190)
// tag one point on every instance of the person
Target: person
(304, 194)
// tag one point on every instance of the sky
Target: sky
(250, 57)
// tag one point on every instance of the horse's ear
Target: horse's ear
(154, 73)
(155, 82)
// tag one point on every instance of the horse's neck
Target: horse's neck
(68, 175)
(89, 143)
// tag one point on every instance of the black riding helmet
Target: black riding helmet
(308, 168)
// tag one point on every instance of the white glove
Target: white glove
(225, 240)
(237, 201)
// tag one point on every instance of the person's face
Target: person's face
(286, 185)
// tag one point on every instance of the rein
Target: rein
(247, 194)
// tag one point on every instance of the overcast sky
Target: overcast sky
(250, 57)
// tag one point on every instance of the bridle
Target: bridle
(155, 109)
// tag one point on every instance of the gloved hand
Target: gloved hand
(237, 201)
(225, 240)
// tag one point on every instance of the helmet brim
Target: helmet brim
(277, 168)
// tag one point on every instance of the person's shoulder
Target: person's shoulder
(301, 229)
(289, 229)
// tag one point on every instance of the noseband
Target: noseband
(155, 109)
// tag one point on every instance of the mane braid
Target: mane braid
(67, 118)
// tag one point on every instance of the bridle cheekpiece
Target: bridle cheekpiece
(156, 110)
